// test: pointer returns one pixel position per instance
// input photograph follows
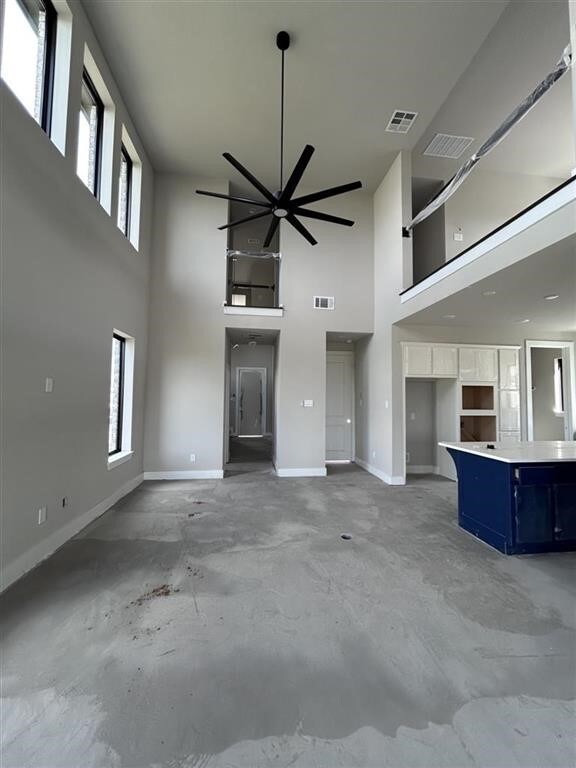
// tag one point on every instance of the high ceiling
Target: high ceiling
(202, 77)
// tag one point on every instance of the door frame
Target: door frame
(349, 354)
(263, 372)
(569, 381)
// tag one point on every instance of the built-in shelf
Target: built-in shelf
(477, 397)
(477, 428)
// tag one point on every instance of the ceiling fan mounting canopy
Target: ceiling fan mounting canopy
(282, 204)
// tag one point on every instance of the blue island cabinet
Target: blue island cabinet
(517, 506)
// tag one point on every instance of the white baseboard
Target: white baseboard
(302, 472)
(36, 554)
(421, 469)
(389, 480)
(194, 474)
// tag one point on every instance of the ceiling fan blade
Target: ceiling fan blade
(249, 177)
(236, 199)
(296, 174)
(301, 228)
(332, 192)
(306, 212)
(248, 218)
(271, 231)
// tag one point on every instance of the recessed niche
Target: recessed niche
(477, 429)
(477, 398)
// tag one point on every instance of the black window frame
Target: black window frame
(48, 69)
(126, 224)
(99, 104)
(121, 377)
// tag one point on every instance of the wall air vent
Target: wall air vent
(323, 302)
(445, 145)
(401, 121)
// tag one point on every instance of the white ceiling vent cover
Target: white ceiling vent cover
(323, 302)
(445, 145)
(401, 121)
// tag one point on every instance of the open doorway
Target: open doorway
(250, 385)
(550, 398)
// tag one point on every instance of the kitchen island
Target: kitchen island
(520, 497)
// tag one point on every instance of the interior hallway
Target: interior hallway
(204, 624)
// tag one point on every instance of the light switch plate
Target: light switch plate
(308, 403)
(42, 515)
(49, 384)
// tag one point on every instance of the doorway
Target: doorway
(250, 401)
(339, 406)
(550, 398)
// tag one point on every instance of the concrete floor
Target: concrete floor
(273, 642)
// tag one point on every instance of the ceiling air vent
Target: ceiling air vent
(445, 145)
(401, 121)
(323, 302)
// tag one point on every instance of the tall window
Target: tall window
(117, 378)
(28, 52)
(124, 191)
(90, 127)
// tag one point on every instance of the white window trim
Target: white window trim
(126, 452)
(119, 458)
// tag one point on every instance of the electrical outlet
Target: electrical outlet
(49, 385)
(458, 237)
(373, 454)
(42, 513)
(407, 457)
(193, 458)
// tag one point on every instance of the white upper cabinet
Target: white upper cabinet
(477, 364)
(510, 410)
(509, 369)
(445, 361)
(417, 360)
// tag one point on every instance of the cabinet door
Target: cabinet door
(534, 514)
(444, 361)
(418, 360)
(510, 410)
(468, 364)
(486, 364)
(509, 437)
(565, 503)
(509, 369)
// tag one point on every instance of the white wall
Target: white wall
(69, 277)
(185, 399)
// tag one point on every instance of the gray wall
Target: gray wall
(186, 375)
(486, 200)
(260, 356)
(547, 424)
(420, 423)
(429, 237)
(69, 277)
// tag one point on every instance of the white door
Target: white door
(251, 401)
(339, 406)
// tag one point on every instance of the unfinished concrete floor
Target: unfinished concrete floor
(273, 642)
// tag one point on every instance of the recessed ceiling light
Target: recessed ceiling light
(551, 297)
(348, 341)
(524, 320)
(449, 317)
(488, 293)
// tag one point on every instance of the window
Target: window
(28, 53)
(116, 394)
(558, 386)
(121, 397)
(125, 191)
(90, 127)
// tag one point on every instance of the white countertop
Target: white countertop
(524, 452)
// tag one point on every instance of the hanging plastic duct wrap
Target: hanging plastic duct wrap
(513, 119)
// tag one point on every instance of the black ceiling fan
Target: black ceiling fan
(282, 204)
